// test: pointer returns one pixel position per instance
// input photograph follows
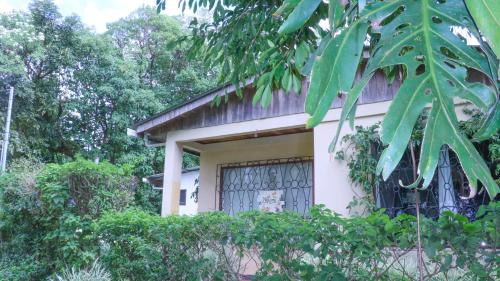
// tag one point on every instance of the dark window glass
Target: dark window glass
(182, 199)
(448, 190)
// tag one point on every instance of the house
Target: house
(265, 158)
(188, 204)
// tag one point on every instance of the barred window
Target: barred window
(449, 190)
(270, 185)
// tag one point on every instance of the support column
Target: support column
(332, 186)
(172, 172)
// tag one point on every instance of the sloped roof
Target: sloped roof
(180, 109)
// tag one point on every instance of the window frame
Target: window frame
(465, 207)
(278, 161)
(181, 193)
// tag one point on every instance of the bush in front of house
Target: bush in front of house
(47, 211)
(57, 220)
(323, 246)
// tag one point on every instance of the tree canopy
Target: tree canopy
(77, 91)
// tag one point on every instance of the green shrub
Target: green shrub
(19, 206)
(19, 267)
(141, 246)
(323, 246)
(57, 217)
(46, 212)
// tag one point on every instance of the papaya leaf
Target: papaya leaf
(419, 35)
(439, 132)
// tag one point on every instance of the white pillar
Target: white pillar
(172, 172)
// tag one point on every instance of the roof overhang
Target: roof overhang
(175, 112)
(156, 180)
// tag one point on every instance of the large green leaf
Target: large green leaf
(349, 108)
(490, 125)
(486, 14)
(299, 15)
(420, 37)
(440, 131)
(334, 71)
(335, 10)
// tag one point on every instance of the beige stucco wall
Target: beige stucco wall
(286, 146)
(332, 183)
(331, 177)
(332, 186)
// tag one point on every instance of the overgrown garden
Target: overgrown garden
(59, 218)
(73, 206)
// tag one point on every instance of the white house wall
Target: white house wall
(188, 180)
(331, 177)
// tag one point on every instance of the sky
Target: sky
(94, 13)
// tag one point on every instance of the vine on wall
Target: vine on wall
(361, 151)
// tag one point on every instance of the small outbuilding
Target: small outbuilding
(188, 193)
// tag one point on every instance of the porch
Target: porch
(281, 146)
(233, 136)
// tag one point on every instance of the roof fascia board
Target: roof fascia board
(169, 115)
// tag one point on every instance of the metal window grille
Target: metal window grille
(448, 190)
(239, 184)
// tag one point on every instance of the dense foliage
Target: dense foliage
(77, 92)
(242, 39)
(77, 220)
(46, 214)
(324, 246)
